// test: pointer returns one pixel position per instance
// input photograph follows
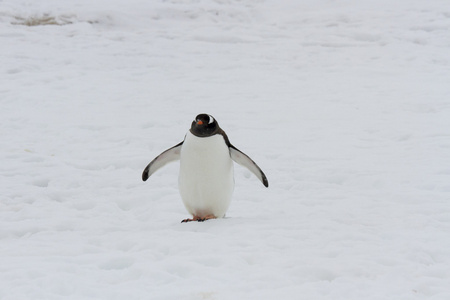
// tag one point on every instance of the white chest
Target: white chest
(206, 178)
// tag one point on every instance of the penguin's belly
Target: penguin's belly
(206, 178)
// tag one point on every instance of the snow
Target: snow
(343, 104)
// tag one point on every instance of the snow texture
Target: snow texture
(345, 105)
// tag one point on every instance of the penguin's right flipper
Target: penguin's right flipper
(161, 160)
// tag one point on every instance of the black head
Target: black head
(204, 125)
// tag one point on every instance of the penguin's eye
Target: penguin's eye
(211, 120)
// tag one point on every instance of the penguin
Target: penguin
(206, 178)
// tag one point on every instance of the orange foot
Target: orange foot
(199, 219)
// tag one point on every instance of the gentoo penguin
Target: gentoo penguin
(206, 179)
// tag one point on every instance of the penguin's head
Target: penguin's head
(204, 125)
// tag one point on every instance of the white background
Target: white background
(345, 105)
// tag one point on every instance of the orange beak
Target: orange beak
(199, 122)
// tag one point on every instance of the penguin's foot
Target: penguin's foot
(187, 220)
(199, 219)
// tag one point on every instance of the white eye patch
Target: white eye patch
(211, 119)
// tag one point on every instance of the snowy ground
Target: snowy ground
(345, 105)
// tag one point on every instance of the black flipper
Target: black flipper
(242, 159)
(161, 160)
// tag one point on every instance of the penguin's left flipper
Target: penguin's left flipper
(242, 159)
(161, 160)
